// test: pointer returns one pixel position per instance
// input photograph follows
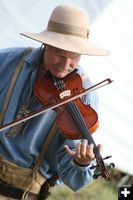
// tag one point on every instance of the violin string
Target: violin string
(78, 118)
(76, 115)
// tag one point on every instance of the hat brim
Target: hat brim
(70, 43)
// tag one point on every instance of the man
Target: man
(63, 42)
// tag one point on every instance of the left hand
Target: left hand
(83, 155)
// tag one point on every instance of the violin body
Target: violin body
(69, 127)
(49, 94)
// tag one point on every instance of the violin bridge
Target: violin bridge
(65, 93)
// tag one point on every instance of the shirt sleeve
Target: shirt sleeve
(92, 97)
(72, 175)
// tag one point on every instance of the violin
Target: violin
(75, 119)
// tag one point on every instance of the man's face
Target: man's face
(60, 62)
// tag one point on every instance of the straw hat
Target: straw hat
(68, 29)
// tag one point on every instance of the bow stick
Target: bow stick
(62, 102)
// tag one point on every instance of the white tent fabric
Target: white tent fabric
(111, 28)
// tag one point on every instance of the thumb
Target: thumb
(100, 147)
(69, 151)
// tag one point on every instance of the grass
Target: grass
(98, 190)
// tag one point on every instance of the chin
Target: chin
(59, 75)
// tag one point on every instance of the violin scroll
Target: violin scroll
(105, 172)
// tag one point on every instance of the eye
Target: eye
(74, 57)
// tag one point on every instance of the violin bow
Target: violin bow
(79, 95)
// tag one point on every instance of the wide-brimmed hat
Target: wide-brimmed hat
(68, 29)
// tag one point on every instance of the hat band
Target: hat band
(68, 29)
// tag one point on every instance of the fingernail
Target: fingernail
(91, 145)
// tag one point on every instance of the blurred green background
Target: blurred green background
(98, 190)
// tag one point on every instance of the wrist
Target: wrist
(79, 164)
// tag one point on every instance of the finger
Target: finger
(69, 151)
(83, 148)
(89, 152)
(77, 154)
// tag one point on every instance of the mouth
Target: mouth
(61, 69)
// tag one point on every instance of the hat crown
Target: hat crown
(68, 29)
(70, 14)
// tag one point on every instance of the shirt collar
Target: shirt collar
(34, 56)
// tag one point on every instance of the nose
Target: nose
(66, 63)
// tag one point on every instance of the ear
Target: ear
(46, 45)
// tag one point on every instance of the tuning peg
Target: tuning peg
(112, 165)
(95, 176)
(107, 157)
(93, 166)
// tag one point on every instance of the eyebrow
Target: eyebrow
(61, 51)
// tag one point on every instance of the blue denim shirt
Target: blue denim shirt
(24, 148)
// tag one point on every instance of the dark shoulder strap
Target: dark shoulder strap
(45, 146)
(46, 188)
(12, 84)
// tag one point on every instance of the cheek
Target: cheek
(54, 60)
(74, 64)
(78, 59)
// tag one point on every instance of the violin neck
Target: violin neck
(79, 121)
